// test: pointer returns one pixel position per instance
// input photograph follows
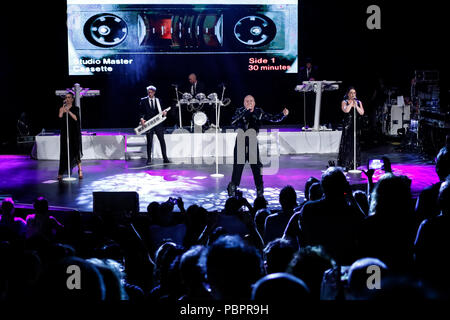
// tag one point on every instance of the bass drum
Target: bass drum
(199, 118)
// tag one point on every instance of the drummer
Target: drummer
(198, 93)
(195, 86)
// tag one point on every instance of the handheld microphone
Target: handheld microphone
(174, 85)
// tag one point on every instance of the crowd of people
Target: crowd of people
(338, 244)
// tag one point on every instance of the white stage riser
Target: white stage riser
(94, 147)
(194, 145)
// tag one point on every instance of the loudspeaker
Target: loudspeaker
(116, 206)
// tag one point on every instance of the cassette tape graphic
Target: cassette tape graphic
(105, 28)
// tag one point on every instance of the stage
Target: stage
(124, 144)
(24, 178)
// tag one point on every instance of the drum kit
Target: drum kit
(197, 104)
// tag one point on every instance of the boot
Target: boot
(231, 189)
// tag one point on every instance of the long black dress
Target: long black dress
(75, 145)
(346, 153)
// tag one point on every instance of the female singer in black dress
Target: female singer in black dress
(75, 146)
(346, 152)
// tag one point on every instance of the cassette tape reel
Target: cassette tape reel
(105, 30)
(255, 30)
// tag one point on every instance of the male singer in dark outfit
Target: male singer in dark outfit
(148, 108)
(248, 119)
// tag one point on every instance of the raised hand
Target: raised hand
(180, 202)
(369, 173)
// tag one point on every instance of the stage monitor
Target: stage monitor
(117, 206)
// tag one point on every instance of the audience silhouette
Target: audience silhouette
(389, 230)
(333, 220)
(232, 267)
(426, 205)
(328, 244)
(433, 242)
(275, 223)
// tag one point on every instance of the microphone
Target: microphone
(174, 85)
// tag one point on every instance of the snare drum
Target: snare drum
(199, 118)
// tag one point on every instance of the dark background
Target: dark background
(333, 33)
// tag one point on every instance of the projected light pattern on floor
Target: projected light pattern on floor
(217, 201)
(149, 187)
(160, 186)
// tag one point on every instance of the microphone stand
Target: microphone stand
(217, 174)
(69, 178)
(179, 107)
(354, 171)
(220, 104)
(304, 110)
